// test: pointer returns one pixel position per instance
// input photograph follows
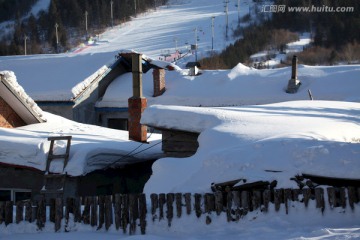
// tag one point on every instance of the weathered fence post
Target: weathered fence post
(187, 197)
(93, 201)
(278, 198)
(319, 196)
(229, 204)
(245, 201)
(219, 202)
(266, 199)
(41, 214)
(170, 208)
(342, 197)
(154, 205)
(8, 212)
(161, 205)
(2, 212)
(52, 210)
(117, 211)
(108, 212)
(209, 202)
(133, 212)
(142, 212)
(58, 213)
(28, 211)
(352, 197)
(77, 209)
(86, 213)
(256, 199)
(198, 211)
(287, 198)
(19, 212)
(125, 212)
(178, 200)
(101, 203)
(237, 204)
(306, 195)
(331, 197)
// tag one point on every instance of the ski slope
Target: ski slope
(154, 33)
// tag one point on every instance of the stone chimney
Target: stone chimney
(159, 81)
(294, 83)
(137, 103)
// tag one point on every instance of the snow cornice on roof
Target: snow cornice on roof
(16, 97)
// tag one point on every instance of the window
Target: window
(15, 195)
(118, 123)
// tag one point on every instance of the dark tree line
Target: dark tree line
(70, 18)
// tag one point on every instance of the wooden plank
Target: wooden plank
(170, 209)
(209, 202)
(77, 209)
(125, 212)
(108, 212)
(2, 212)
(278, 198)
(187, 197)
(93, 211)
(342, 197)
(162, 201)
(306, 195)
(179, 135)
(331, 197)
(287, 199)
(266, 199)
(58, 213)
(260, 185)
(219, 206)
(41, 214)
(86, 212)
(319, 196)
(101, 203)
(178, 200)
(352, 197)
(256, 199)
(295, 194)
(19, 212)
(142, 213)
(245, 201)
(133, 212)
(229, 204)
(117, 211)
(197, 206)
(154, 205)
(8, 212)
(179, 146)
(28, 211)
(52, 210)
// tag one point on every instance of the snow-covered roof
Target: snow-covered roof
(263, 142)
(92, 147)
(241, 86)
(17, 98)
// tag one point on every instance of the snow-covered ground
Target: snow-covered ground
(289, 136)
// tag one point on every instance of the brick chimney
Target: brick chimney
(294, 83)
(159, 81)
(137, 103)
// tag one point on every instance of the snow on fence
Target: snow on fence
(129, 211)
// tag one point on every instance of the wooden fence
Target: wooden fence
(129, 211)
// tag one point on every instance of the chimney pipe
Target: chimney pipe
(137, 103)
(294, 83)
(159, 81)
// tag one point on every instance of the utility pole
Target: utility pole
(111, 13)
(25, 38)
(57, 37)
(212, 33)
(86, 23)
(196, 46)
(238, 8)
(227, 17)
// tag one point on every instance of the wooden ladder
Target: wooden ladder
(54, 182)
